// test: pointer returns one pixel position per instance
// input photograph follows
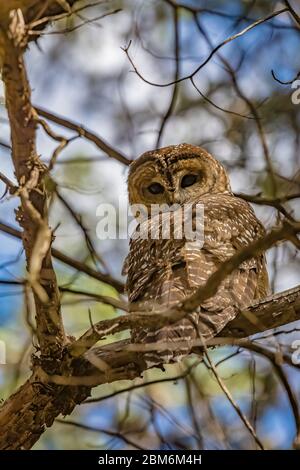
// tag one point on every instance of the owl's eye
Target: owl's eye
(155, 188)
(188, 180)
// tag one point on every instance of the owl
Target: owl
(163, 271)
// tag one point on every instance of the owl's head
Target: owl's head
(175, 174)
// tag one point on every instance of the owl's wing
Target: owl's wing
(230, 225)
(163, 272)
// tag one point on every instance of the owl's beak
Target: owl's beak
(175, 197)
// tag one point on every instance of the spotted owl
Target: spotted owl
(162, 272)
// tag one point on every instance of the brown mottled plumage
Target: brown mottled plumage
(163, 272)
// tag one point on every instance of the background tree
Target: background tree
(88, 87)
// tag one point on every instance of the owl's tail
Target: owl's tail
(174, 342)
(169, 344)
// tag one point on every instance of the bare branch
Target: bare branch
(213, 52)
(293, 12)
(87, 134)
(172, 103)
(231, 400)
(32, 214)
(78, 265)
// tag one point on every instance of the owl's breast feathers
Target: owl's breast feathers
(163, 272)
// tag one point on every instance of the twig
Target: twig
(100, 430)
(142, 385)
(293, 12)
(212, 53)
(231, 400)
(74, 28)
(89, 243)
(101, 298)
(273, 358)
(176, 76)
(78, 265)
(83, 132)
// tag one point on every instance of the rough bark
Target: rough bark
(272, 312)
(32, 214)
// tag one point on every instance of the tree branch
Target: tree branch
(83, 132)
(32, 214)
(68, 260)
